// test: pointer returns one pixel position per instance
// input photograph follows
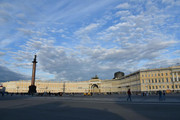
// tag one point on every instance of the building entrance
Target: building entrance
(94, 88)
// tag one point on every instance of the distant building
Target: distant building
(118, 75)
(150, 80)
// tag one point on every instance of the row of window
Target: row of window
(160, 80)
(159, 74)
(168, 87)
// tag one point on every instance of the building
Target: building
(149, 80)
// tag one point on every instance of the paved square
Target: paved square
(87, 108)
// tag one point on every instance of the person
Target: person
(164, 95)
(160, 95)
(129, 95)
(2, 93)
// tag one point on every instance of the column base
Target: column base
(32, 89)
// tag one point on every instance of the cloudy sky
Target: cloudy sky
(78, 39)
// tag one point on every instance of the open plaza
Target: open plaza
(96, 107)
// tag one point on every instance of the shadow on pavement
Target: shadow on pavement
(14, 97)
(52, 110)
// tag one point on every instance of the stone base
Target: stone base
(32, 89)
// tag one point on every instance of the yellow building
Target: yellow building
(22, 86)
(149, 80)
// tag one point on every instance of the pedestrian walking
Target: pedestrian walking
(160, 95)
(129, 95)
(164, 95)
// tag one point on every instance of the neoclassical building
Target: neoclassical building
(149, 80)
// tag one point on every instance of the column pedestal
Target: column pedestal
(32, 89)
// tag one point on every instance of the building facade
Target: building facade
(149, 80)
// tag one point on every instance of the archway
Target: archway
(95, 88)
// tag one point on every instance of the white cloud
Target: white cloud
(5, 42)
(123, 6)
(84, 33)
(2, 53)
(167, 1)
(123, 13)
(87, 62)
(177, 52)
(87, 29)
(120, 26)
(162, 63)
(30, 32)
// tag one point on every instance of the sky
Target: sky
(77, 39)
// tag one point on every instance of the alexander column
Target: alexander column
(32, 87)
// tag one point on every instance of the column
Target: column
(177, 76)
(173, 76)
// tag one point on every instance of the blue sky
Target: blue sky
(78, 39)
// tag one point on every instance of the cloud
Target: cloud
(162, 63)
(81, 63)
(84, 33)
(123, 6)
(123, 13)
(167, 1)
(8, 75)
(87, 29)
(77, 40)
(2, 53)
(30, 32)
(57, 31)
(177, 52)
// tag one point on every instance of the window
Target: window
(175, 79)
(179, 73)
(142, 75)
(155, 80)
(163, 86)
(156, 87)
(179, 79)
(159, 86)
(171, 73)
(176, 86)
(152, 81)
(152, 75)
(153, 87)
(149, 87)
(158, 74)
(172, 86)
(162, 79)
(161, 74)
(145, 75)
(149, 80)
(166, 79)
(159, 80)
(167, 86)
(171, 79)
(142, 81)
(148, 75)
(166, 74)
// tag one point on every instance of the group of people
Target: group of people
(162, 95)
